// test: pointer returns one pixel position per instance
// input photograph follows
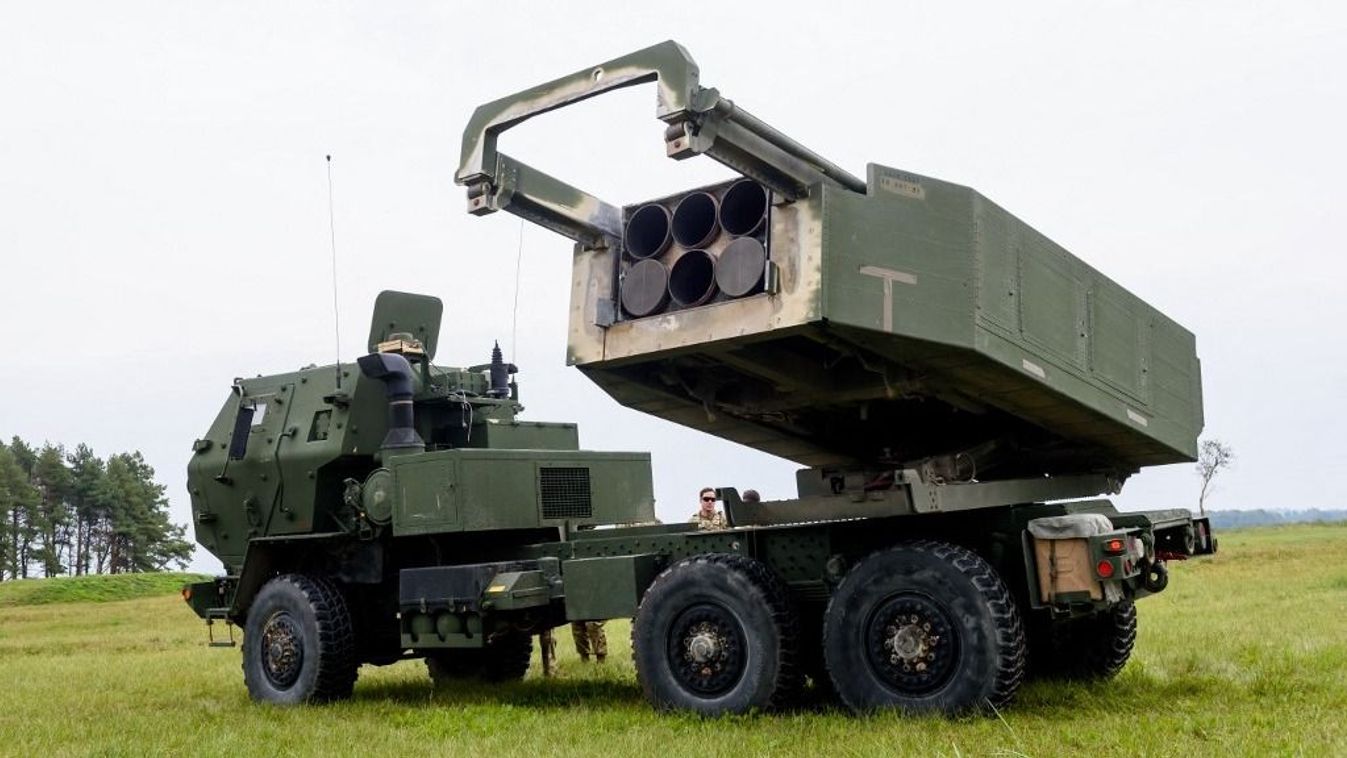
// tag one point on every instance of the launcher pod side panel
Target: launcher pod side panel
(912, 321)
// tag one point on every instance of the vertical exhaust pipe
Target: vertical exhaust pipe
(694, 220)
(692, 280)
(396, 374)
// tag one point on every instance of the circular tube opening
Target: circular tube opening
(741, 266)
(645, 288)
(694, 220)
(648, 231)
(692, 280)
(744, 208)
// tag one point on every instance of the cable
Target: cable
(514, 316)
(332, 230)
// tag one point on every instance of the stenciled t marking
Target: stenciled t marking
(889, 276)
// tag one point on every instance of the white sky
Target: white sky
(163, 206)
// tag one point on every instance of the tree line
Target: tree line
(74, 513)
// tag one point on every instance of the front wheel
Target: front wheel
(924, 627)
(716, 634)
(298, 643)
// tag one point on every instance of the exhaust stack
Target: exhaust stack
(396, 374)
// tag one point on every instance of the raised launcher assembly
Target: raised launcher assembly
(893, 322)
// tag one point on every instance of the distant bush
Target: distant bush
(92, 589)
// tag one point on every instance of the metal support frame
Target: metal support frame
(912, 495)
(698, 121)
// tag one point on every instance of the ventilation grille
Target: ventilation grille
(564, 493)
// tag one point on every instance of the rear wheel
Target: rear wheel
(716, 634)
(504, 658)
(298, 643)
(1091, 648)
(924, 627)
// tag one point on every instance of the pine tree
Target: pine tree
(22, 531)
(9, 473)
(86, 471)
(79, 514)
(52, 518)
(135, 532)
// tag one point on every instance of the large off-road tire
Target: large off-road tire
(924, 627)
(505, 658)
(298, 643)
(716, 634)
(1085, 649)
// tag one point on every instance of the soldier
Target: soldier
(707, 518)
(590, 640)
(547, 645)
(752, 496)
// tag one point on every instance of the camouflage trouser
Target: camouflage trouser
(590, 639)
(548, 643)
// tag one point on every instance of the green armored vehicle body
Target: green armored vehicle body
(960, 389)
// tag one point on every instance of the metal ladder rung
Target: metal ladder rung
(221, 614)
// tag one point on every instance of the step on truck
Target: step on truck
(961, 393)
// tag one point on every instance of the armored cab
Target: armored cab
(397, 446)
(839, 322)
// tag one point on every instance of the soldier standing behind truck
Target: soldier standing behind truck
(590, 640)
(708, 518)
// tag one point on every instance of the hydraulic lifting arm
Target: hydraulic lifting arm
(698, 120)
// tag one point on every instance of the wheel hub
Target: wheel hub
(282, 650)
(911, 645)
(705, 645)
(706, 649)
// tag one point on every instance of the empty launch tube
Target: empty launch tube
(743, 210)
(695, 220)
(647, 232)
(692, 280)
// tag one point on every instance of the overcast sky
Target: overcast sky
(163, 196)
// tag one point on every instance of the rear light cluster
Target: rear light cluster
(689, 250)
(1119, 554)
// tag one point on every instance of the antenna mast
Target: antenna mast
(332, 230)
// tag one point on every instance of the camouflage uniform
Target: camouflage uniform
(714, 523)
(590, 639)
(547, 644)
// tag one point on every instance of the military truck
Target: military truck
(959, 391)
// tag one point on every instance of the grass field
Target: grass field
(1244, 654)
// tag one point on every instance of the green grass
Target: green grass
(1244, 654)
(92, 589)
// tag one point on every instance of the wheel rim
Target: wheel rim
(706, 649)
(911, 644)
(282, 650)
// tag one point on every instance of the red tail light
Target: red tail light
(1115, 546)
(1104, 569)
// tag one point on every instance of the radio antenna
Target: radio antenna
(332, 232)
